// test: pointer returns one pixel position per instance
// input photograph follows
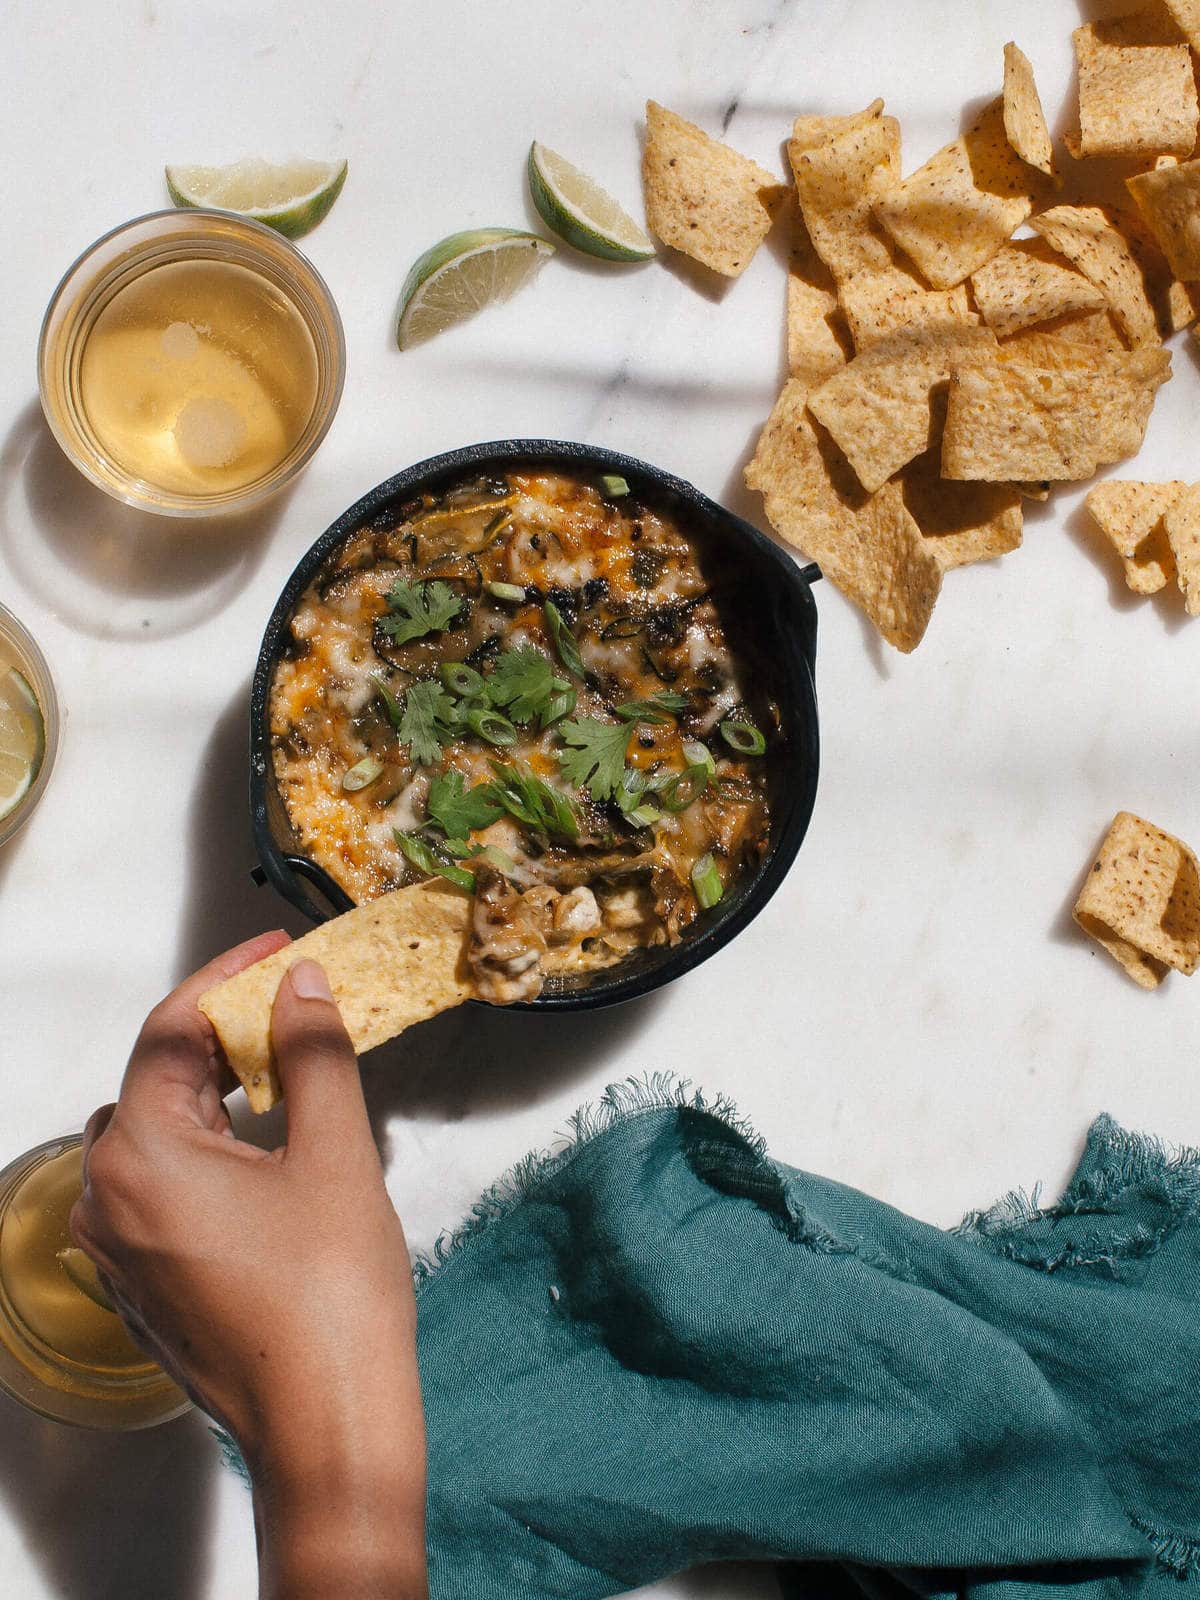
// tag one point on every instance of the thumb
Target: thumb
(317, 1067)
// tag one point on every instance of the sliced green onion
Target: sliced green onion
(492, 727)
(628, 793)
(506, 591)
(706, 881)
(361, 774)
(743, 737)
(460, 679)
(425, 860)
(699, 755)
(564, 640)
(558, 706)
(395, 711)
(644, 816)
(625, 627)
(614, 485)
(683, 788)
(497, 858)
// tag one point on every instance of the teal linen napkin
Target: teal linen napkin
(660, 1347)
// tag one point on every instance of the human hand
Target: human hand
(274, 1286)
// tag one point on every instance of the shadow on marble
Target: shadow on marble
(108, 1515)
(722, 1580)
(479, 1060)
(104, 568)
(223, 906)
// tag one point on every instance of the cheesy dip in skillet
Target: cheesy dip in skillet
(522, 684)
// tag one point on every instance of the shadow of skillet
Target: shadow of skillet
(104, 568)
(223, 906)
(110, 1516)
(480, 1059)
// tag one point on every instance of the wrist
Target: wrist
(344, 1517)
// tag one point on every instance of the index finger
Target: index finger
(176, 1047)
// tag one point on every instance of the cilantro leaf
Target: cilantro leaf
(457, 810)
(529, 799)
(425, 725)
(596, 757)
(416, 609)
(660, 707)
(522, 681)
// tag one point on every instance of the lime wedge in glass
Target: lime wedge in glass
(82, 1272)
(289, 196)
(22, 740)
(463, 274)
(579, 211)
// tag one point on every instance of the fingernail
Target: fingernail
(309, 981)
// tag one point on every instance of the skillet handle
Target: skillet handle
(808, 627)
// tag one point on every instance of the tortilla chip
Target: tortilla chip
(1137, 91)
(961, 522)
(1086, 236)
(1057, 343)
(390, 963)
(1169, 199)
(1182, 524)
(836, 182)
(1131, 514)
(955, 212)
(868, 545)
(1013, 419)
(810, 131)
(818, 341)
(1024, 120)
(703, 198)
(1141, 901)
(1186, 16)
(1027, 282)
(878, 303)
(878, 407)
(1029, 491)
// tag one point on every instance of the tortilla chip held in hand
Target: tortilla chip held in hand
(391, 963)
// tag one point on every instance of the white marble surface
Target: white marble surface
(913, 1013)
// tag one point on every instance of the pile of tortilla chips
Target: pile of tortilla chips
(941, 370)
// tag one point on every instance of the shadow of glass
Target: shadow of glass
(104, 568)
(111, 1513)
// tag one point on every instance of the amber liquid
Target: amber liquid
(58, 1333)
(198, 377)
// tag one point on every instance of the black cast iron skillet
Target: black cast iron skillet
(768, 612)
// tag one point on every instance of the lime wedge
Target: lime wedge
(22, 740)
(463, 274)
(81, 1270)
(289, 196)
(579, 211)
